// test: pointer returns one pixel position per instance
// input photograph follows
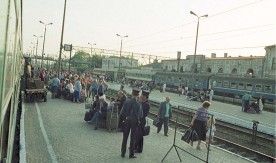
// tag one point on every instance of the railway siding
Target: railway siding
(222, 111)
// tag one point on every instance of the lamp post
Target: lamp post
(36, 47)
(61, 40)
(193, 69)
(121, 49)
(43, 40)
(91, 53)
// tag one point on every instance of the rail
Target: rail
(227, 144)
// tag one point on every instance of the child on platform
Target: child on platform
(210, 129)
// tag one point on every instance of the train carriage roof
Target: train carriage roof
(197, 75)
(249, 79)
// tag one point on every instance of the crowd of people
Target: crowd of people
(132, 112)
(73, 86)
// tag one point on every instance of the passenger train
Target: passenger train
(11, 70)
(229, 86)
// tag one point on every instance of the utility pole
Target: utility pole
(193, 68)
(61, 40)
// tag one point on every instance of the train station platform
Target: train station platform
(56, 132)
(222, 111)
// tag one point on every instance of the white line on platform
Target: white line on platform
(22, 153)
(49, 146)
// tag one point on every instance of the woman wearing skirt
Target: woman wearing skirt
(199, 122)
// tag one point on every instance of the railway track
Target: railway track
(237, 142)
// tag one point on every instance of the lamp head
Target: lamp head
(126, 36)
(205, 15)
(191, 12)
(117, 35)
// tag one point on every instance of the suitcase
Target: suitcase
(111, 120)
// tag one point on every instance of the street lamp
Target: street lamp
(193, 73)
(36, 47)
(91, 53)
(121, 49)
(43, 40)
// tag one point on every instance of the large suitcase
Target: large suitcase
(111, 120)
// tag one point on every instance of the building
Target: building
(113, 62)
(255, 66)
(110, 66)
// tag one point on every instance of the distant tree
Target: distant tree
(81, 56)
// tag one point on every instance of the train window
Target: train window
(218, 84)
(241, 86)
(233, 85)
(226, 84)
(249, 87)
(258, 88)
(267, 88)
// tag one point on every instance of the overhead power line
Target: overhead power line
(202, 35)
(210, 16)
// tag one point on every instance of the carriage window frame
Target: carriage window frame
(218, 83)
(259, 86)
(249, 88)
(265, 88)
(233, 85)
(226, 84)
(241, 87)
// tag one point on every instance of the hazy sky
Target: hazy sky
(157, 27)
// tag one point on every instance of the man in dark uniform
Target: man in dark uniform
(120, 101)
(139, 141)
(133, 112)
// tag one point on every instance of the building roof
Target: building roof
(236, 58)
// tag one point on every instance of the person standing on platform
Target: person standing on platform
(246, 99)
(199, 121)
(89, 81)
(120, 101)
(164, 87)
(211, 94)
(139, 141)
(210, 122)
(164, 114)
(261, 104)
(133, 112)
(54, 86)
(77, 90)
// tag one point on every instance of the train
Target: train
(229, 86)
(11, 70)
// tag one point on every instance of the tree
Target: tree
(83, 60)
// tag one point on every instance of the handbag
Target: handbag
(87, 116)
(156, 122)
(187, 135)
(146, 129)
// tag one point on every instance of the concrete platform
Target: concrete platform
(56, 132)
(222, 111)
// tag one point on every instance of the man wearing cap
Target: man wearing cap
(133, 112)
(139, 141)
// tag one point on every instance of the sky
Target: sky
(155, 27)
